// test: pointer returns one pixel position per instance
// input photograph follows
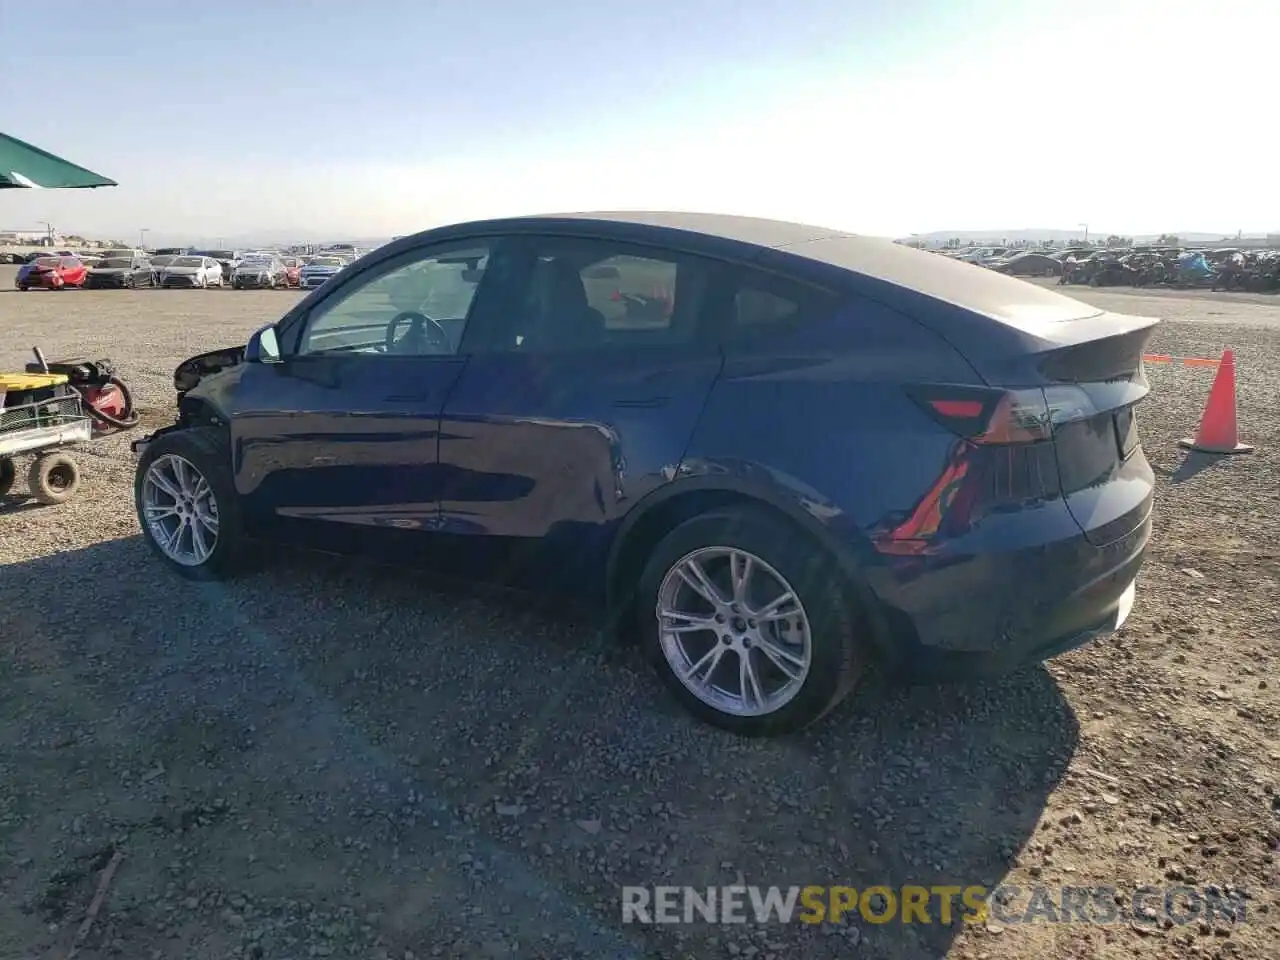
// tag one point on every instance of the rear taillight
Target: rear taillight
(987, 416)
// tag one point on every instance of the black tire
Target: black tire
(127, 283)
(206, 449)
(8, 475)
(53, 478)
(840, 654)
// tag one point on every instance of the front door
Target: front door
(337, 445)
(578, 403)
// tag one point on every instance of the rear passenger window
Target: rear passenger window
(583, 294)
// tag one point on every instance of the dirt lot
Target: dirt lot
(329, 760)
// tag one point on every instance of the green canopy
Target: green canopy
(22, 165)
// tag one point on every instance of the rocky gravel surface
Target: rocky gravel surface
(326, 759)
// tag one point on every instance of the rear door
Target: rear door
(580, 401)
(338, 443)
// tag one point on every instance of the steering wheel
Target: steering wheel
(421, 331)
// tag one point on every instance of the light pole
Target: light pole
(48, 230)
(1086, 232)
(142, 238)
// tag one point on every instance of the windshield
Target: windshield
(162, 261)
(186, 262)
(326, 262)
(46, 261)
(115, 262)
(221, 254)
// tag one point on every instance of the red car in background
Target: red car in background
(52, 273)
(292, 272)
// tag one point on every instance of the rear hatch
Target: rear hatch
(1087, 364)
(1093, 388)
(1063, 377)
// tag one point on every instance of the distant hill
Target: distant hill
(1030, 235)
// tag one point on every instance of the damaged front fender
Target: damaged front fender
(194, 369)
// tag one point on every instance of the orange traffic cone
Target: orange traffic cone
(1217, 433)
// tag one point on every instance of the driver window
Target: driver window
(414, 308)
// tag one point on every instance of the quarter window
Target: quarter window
(764, 304)
(414, 308)
(756, 308)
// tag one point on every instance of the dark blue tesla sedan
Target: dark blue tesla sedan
(777, 453)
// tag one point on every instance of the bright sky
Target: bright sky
(332, 119)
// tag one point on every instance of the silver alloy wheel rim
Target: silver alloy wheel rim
(179, 510)
(717, 601)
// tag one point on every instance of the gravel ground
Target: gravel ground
(331, 760)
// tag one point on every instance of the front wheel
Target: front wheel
(187, 504)
(748, 624)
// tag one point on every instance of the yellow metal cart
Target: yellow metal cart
(41, 415)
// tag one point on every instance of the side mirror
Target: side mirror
(263, 347)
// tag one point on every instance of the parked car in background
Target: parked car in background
(981, 254)
(227, 259)
(293, 271)
(28, 267)
(720, 428)
(159, 262)
(52, 273)
(191, 271)
(268, 273)
(121, 273)
(1029, 264)
(319, 271)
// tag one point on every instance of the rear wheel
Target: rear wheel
(187, 504)
(53, 478)
(748, 624)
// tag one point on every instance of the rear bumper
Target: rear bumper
(990, 612)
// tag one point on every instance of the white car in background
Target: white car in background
(191, 271)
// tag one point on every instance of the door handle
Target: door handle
(642, 403)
